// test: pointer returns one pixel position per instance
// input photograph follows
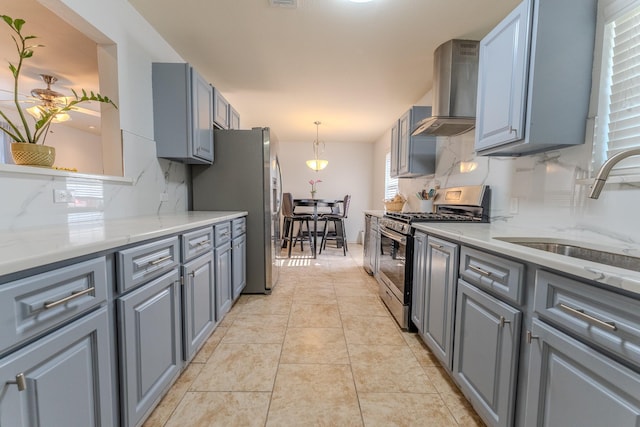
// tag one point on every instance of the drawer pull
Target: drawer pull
(20, 381)
(199, 244)
(580, 313)
(160, 260)
(480, 271)
(531, 337)
(74, 295)
(503, 321)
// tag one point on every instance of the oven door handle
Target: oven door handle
(393, 235)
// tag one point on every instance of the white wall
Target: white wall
(349, 172)
(25, 196)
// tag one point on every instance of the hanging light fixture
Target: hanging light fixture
(317, 164)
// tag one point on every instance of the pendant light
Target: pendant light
(317, 164)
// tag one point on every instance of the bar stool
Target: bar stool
(340, 233)
(288, 224)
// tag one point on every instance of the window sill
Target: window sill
(34, 170)
(615, 179)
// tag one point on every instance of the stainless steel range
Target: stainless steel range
(395, 263)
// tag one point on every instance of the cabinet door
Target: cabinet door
(239, 259)
(502, 78)
(394, 151)
(234, 118)
(220, 110)
(418, 285)
(440, 291)
(202, 98)
(223, 280)
(403, 143)
(198, 303)
(571, 384)
(150, 341)
(68, 378)
(487, 337)
(374, 245)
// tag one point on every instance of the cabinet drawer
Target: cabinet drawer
(238, 227)
(500, 276)
(38, 303)
(145, 262)
(196, 243)
(222, 233)
(606, 319)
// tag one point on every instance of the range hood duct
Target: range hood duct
(455, 86)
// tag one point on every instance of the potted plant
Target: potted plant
(26, 135)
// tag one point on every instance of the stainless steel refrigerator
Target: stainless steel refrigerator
(245, 176)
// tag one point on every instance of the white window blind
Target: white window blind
(619, 106)
(390, 184)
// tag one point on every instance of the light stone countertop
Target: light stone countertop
(486, 236)
(27, 248)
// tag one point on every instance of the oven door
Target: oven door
(393, 262)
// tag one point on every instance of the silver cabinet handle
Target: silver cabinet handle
(512, 130)
(503, 321)
(580, 313)
(74, 295)
(160, 260)
(203, 243)
(480, 271)
(20, 381)
(192, 274)
(531, 337)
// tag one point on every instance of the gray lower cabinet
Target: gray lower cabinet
(67, 378)
(486, 349)
(239, 261)
(440, 298)
(198, 303)
(570, 384)
(224, 291)
(150, 344)
(419, 281)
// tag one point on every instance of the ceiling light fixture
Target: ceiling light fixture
(50, 100)
(317, 164)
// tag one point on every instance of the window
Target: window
(390, 184)
(618, 117)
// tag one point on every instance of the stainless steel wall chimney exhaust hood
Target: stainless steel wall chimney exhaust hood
(455, 85)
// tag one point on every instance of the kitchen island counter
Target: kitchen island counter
(33, 247)
(487, 236)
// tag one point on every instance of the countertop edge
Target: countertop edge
(484, 236)
(35, 247)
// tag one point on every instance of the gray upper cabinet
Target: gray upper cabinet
(221, 112)
(67, 377)
(234, 118)
(485, 361)
(534, 78)
(182, 113)
(412, 156)
(570, 384)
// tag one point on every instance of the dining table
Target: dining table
(315, 204)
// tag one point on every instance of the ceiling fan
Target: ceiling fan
(49, 99)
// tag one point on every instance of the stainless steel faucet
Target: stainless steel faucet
(603, 173)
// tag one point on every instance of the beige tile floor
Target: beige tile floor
(321, 350)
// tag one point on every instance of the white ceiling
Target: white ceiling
(356, 67)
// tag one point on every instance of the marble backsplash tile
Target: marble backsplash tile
(159, 186)
(547, 189)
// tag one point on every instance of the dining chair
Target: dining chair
(340, 233)
(288, 224)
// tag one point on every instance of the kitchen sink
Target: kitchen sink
(576, 251)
